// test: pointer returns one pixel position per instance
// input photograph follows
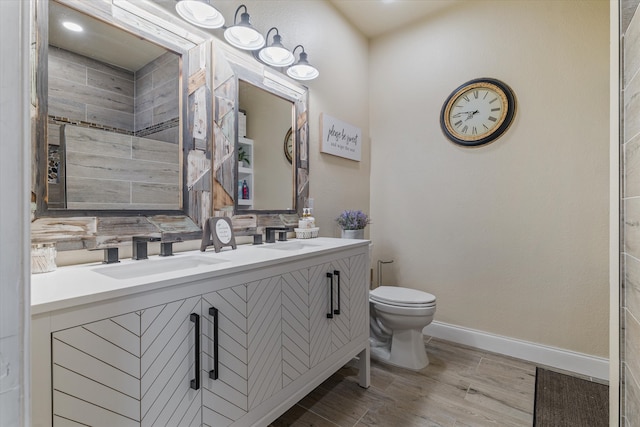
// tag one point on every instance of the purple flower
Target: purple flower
(353, 220)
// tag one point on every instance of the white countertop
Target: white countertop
(84, 283)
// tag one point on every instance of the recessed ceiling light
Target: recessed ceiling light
(72, 26)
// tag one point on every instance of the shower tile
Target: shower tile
(631, 51)
(632, 108)
(632, 226)
(632, 348)
(632, 286)
(110, 83)
(632, 398)
(632, 167)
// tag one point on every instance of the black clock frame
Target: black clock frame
(511, 110)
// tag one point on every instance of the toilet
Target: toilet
(398, 316)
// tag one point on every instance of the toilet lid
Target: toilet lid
(401, 296)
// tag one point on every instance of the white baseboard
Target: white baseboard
(584, 364)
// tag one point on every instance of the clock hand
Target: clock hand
(471, 114)
(461, 113)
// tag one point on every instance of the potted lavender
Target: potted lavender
(352, 223)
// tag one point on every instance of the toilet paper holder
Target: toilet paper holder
(380, 262)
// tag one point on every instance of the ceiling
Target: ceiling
(377, 17)
(100, 41)
(372, 17)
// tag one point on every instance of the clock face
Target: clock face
(478, 112)
(288, 145)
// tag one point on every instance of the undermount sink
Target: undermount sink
(147, 267)
(290, 246)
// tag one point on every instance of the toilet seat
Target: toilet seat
(402, 297)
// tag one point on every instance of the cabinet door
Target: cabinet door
(341, 325)
(264, 339)
(128, 370)
(225, 399)
(168, 364)
(319, 308)
(296, 334)
(349, 311)
(96, 373)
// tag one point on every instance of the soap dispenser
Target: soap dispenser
(310, 219)
(303, 223)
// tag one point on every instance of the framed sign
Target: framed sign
(218, 231)
(340, 138)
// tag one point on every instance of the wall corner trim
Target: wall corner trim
(580, 363)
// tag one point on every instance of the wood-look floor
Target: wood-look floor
(461, 386)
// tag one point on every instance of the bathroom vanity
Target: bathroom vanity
(221, 339)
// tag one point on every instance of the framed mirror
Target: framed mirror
(122, 141)
(258, 113)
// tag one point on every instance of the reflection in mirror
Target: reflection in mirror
(113, 125)
(265, 179)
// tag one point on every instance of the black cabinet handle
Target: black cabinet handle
(337, 274)
(330, 313)
(213, 374)
(195, 318)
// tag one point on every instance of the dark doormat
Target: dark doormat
(563, 400)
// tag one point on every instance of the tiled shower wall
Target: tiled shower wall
(87, 92)
(82, 89)
(630, 292)
(157, 99)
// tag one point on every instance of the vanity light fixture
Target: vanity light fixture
(275, 54)
(242, 35)
(302, 70)
(200, 13)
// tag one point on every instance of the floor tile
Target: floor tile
(461, 386)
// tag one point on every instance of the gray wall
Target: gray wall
(630, 293)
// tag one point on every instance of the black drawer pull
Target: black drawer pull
(213, 374)
(337, 274)
(195, 383)
(330, 313)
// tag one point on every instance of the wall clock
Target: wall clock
(288, 145)
(478, 112)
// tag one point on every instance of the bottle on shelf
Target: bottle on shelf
(245, 190)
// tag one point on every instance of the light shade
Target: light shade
(276, 54)
(242, 35)
(302, 70)
(200, 13)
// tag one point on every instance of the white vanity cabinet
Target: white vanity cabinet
(258, 339)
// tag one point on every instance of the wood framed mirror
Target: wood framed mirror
(272, 104)
(122, 125)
